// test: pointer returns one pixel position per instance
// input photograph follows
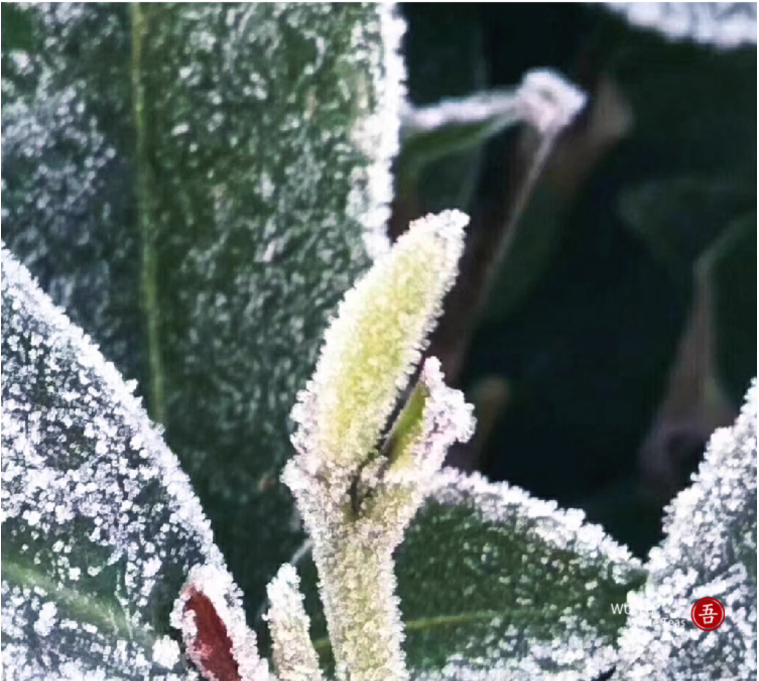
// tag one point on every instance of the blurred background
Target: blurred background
(617, 325)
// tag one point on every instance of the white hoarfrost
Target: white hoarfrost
(709, 550)
(548, 101)
(357, 501)
(376, 339)
(216, 585)
(511, 586)
(722, 24)
(544, 99)
(294, 655)
(100, 526)
(377, 134)
(272, 127)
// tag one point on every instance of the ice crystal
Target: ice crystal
(709, 550)
(722, 24)
(209, 614)
(356, 501)
(269, 129)
(497, 584)
(377, 133)
(548, 101)
(100, 526)
(294, 655)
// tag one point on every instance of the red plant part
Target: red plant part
(210, 648)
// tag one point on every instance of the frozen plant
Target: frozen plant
(105, 548)
(109, 566)
(355, 496)
(725, 25)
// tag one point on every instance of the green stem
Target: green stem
(156, 402)
(364, 624)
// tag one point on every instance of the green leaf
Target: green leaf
(100, 526)
(433, 132)
(496, 577)
(709, 550)
(374, 343)
(444, 58)
(492, 579)
(197, 185)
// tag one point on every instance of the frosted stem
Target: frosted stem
(356, 500)
(358, 592)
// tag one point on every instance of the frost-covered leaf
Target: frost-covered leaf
(278, 173)
(100, 526)
(493, 579)
(543, 99)
(495, 584)
(68, 205)
(241, 196)
(722, 24)
(209, 614)
(294, 655)
(709, 550)
(372, 346)
(356, 498)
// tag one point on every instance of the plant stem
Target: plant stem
(149, 299)
(363, 618)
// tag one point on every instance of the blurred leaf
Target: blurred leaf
(679, 217)
(496, 579)
(443, 54)
(733, 273)
(433, 132)
(100, 526)
(197, 185)
(709, 550)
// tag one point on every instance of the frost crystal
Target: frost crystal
(548, 101)
(165, 652)
(709, 550)
(544, 99)
(355, 500)
(209, 614)
(376, 339)
(378, 132)
(722, 24)
(294, 655)
(100, 526)
(496, 584)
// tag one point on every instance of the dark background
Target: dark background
(621, 329)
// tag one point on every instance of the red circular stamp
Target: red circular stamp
(707, 614)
